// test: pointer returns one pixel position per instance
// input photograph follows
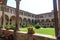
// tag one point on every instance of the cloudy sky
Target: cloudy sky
(34, 6)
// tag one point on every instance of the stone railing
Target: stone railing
(24, 36)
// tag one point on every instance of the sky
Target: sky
(33, 6)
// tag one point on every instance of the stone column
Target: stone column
(3, 15)
(59, 19)
(17, 14)
(23, 18)
(17, 18)
(9, 21)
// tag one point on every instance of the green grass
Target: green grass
(46, 31)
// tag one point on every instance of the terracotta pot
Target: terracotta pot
(30, 31)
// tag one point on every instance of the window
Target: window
(41, 16)
(21, 12)
(13, 11)
(50, 15)
(29, 14)
(47, 20)
(10, 10)
(7, 9)
(29, 20)
(42, 20)
(25, 13)
(52, 20)
(33, 15)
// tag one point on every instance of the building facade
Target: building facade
(46, 19)
(25, 18)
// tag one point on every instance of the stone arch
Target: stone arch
(29, 21)
(42, 20)
(33, 21)
(47, 20)
(52, 20)
(20, 19)
(24, 22)
(6, 19)
(12, 20)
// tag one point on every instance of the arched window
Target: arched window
(42, 20)
(29, 20)
(32, 20)
(47, 20)
(35, 21)
(52, 20)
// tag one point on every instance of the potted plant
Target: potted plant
(30, 30)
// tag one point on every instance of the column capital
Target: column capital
(17, 0)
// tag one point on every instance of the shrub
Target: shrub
(24, 25)
(8, 26)
(13, 27)
(30, 26)
(37, 26)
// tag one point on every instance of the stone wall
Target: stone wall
(24, 36)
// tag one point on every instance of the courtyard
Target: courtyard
(11, 20)
(44, 31)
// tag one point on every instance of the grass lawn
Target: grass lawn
(46, 31)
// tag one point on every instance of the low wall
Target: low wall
(25, 36)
